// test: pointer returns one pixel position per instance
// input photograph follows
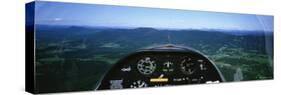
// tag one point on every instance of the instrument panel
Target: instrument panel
(158, 67)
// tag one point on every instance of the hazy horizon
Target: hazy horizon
(54, 13)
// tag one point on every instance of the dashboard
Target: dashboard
(165, 65)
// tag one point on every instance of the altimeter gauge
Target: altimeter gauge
(188, 66)
(146, 66)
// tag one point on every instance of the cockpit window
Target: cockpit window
(95, 47)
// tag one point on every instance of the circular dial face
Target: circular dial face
(146, 66)
(188, 66)
(138, 84)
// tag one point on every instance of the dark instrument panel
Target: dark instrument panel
(161, 66)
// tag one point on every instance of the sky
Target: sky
(53, 13)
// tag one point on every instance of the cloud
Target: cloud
(57, 19)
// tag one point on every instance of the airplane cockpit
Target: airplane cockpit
(164, 65)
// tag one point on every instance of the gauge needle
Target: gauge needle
(142, 85)
(161, 76)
